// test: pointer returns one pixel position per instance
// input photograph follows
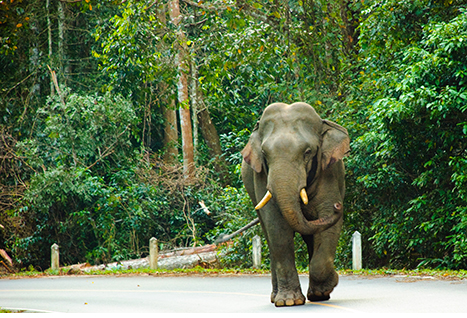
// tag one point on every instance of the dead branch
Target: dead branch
(7, 268)
(224, 238)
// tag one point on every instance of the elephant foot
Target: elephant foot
(321, 287)
(319, 296)
(288, 298)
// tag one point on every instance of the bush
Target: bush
(407, 170)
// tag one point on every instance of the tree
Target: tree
(408, 160)
(182, 88)
(169, 112)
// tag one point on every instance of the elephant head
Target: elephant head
(292, 146)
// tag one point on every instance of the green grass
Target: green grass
(437, 274)
(140, 271)
(7, 311)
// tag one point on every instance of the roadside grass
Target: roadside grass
(5, 311)
(425, 272)
(432, 273)
(11, 311)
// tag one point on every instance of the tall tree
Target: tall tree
(49, 36)
(182, 87)
(62, 41)
(168, 109)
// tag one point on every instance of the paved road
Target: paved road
(226, 294)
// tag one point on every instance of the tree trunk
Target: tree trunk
(208, 130)
(49, 33)
(62, 43)
(170, 133)
(210, 135)
(34, 59)
(169, 113)
(349, 30)
(184, 108)
(194, 107)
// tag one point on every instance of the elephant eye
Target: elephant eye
(312, 173)
(266, 167)
(265, 162)
(308, 154)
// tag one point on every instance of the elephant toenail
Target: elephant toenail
(299, 302)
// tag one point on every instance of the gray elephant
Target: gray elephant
(293, 172)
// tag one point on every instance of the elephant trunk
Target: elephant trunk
(289, 204)
(297, 221)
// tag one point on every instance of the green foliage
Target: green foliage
(72, 171)
(234, 210)
(90, 132)
(77, 152)
(416, 143)
(90, 192)
(246, 64)
(135, 48)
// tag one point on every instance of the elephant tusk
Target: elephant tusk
(304, 196)
(265, 200)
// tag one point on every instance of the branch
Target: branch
(255, 13)
(149, 6)
(20, 82)
(54, 79)
(224, 238)
(108, 151)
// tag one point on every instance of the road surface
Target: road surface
(226, 294)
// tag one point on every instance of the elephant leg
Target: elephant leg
(323, 276)
(286, 290)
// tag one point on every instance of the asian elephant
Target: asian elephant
(293, 172)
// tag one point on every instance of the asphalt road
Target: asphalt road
(226, 294)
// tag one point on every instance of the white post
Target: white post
(55, 259)
(356, 251)
(256, 252)
(153, 253)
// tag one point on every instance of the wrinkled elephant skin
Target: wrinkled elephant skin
(293, 172)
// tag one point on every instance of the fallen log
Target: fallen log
(179, 258)
(6, 257)
(188, 251)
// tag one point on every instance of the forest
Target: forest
(122, 120)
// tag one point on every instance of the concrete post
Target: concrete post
(55, 258)
(356, 251)
(153, 253)
(256, 252)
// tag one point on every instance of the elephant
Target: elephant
(293, 172)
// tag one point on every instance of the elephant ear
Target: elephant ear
(336, 143)
(252, 151)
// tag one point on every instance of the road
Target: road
(226, 294)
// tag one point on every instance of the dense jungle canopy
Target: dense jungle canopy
(119, 119)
